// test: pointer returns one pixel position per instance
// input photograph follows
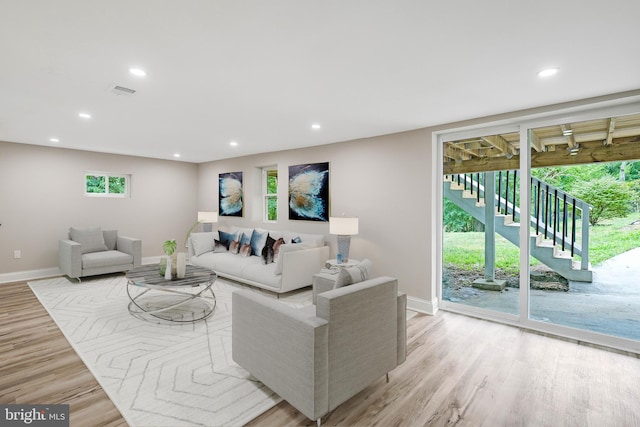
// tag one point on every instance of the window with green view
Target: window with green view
(106, 185)
(270, 193)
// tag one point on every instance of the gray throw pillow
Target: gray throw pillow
(201, 243)
(358, 273)
(91, 239)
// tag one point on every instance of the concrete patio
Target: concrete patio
(609, 305)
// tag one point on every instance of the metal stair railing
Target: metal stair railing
(555, 213)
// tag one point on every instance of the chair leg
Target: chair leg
(319, 422)
(387, 378)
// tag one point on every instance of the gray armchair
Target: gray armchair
(319, 356)
(92, 251)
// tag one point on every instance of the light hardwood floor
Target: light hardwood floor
(459, 371)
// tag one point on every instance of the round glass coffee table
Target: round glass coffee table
(182, 300)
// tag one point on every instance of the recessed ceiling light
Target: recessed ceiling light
(138, 72)
(315, 126)
(548, 72)
(233, 144)
(54, 140)
(84, 115)
(176, 155)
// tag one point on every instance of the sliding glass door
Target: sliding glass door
(541, 224)
(587, 220)
(480, 249)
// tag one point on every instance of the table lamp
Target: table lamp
(207, 219)
(344, 228)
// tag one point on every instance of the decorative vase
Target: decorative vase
(167, 273)
(163, 265)
(174, 266)
(182, 265)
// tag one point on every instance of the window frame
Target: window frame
(266, 196)
(107, 177)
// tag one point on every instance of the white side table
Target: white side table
(333, 263)
(326, 279)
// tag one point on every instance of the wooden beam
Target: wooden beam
(568, 135)
(536, 143)
(498, 142)
(459, 148)
(621, 149)
(612, 127)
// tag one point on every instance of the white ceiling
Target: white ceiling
(261, 72)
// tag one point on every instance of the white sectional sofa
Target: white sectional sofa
(297, 256)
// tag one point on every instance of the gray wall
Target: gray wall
(386, 181)
(42, 195)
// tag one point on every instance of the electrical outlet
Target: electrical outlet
(17, 254)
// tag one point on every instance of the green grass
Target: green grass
(613, 237)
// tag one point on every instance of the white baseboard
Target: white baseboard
(151, 260)
(422, 306)
(20, 276)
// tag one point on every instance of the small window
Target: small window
(270, 193)
(106, 185)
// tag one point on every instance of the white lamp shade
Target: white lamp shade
(343, 226)
(207, 217)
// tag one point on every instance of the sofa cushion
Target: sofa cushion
(258, 240)
(202, 242)
(261, 273)
(245, 239)
(267, 251)
(245, 250)
(105, 259)
(218, 246)
(91, 239)
(288, 247)
(227, 263)
(358, 273)
(276, 247)
(110, 239)
(241, 230)
(227, 238)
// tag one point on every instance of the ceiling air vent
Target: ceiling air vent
(121, 90)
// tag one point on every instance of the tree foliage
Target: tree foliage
(117, 185)
(565, 178)
(95, 184)
(609, 197)
(457, 220)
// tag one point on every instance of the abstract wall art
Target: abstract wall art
(230, 197)
(309, 192)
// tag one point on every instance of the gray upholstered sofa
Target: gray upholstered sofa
(319, 356)
(92, 251)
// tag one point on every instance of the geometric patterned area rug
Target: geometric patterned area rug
(158, 373)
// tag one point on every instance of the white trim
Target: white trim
(21, 276)
(525, 228)
(151, 260)
(422, 305)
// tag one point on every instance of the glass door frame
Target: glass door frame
(622, 104)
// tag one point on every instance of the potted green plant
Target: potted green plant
(169, 248)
